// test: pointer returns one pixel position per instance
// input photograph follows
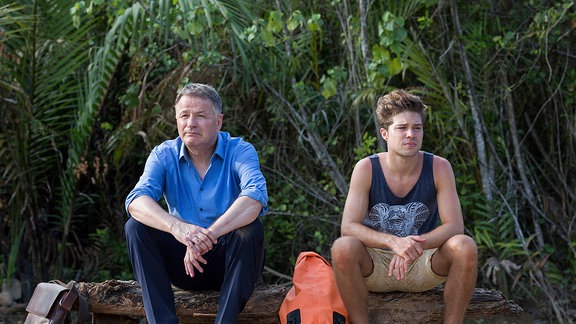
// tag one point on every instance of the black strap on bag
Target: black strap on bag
(52, 302)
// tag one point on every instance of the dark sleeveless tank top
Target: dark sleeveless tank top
(414, 214)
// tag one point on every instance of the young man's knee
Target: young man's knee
(344, 251)
(464, 249)
(468, 245)
(461, 242)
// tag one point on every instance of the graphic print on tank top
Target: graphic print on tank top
(399, 220)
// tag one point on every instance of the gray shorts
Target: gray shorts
(420, 276)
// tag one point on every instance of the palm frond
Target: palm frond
(100, 73)
(45, 56)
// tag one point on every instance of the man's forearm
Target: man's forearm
(440, 234)
(148, 212)
(242, 212)
(368, 236)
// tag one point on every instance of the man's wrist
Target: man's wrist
(173, 224)
(214, 231)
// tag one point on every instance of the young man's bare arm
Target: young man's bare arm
(449, 208)
(355, 210)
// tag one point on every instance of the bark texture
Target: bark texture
(116, 301)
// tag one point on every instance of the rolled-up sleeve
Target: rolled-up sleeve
(252, 181)
(152, 181)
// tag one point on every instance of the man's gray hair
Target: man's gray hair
(203, 91)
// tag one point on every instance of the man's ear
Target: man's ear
(384, 134)
(219, 121)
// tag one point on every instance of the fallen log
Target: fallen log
(114, 301)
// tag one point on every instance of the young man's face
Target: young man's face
(198, 123)
(404, 136)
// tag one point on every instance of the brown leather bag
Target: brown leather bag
(52, 302)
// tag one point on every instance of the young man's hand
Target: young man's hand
(398, 267)
(409, 248)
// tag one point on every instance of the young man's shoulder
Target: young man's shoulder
(440, 161)
(442, 169)
(366, 162)
(367, 159)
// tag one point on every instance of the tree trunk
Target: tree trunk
(115, 301)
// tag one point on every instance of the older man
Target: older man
(209, 236)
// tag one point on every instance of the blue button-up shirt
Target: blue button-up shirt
(234, 171)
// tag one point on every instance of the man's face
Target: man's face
(404, 136)
(198, 123)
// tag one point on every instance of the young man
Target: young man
(210, 238)
(391, 239)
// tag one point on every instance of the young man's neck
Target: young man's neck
(402, 164)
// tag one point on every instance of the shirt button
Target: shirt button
(201, 209)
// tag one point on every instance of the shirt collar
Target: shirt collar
(220, 148)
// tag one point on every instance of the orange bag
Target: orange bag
(314, 297)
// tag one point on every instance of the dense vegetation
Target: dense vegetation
(87, 88)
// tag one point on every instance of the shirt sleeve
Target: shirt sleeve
(152, 181)
(252, 182)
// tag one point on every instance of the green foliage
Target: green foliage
(8, 268)
(87, 89)
(500, 248)
(367, 148)
(112, 255)
(385, 54)
(44, 61)
(331, 80)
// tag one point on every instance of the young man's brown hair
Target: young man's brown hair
(395, 102)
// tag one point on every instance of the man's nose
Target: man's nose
(191, 121)
(410, 132)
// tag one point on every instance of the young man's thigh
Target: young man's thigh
(420, 276)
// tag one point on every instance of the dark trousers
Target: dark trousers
(234, 266)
